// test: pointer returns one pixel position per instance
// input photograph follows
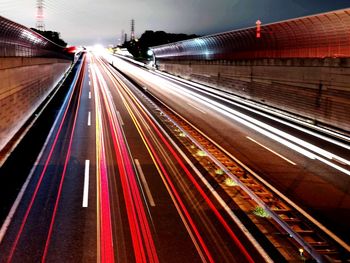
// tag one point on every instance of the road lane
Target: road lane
(165, 216)
(307, 183)
(43, 229)
(219, 246)
(114, 185)
(74, 233)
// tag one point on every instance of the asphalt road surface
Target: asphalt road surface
(110, 186)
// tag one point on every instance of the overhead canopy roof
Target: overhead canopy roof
(18, 40)
(317, 36)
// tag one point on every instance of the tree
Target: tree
(53, 36)
(153, 38)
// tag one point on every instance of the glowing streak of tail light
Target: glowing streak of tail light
(107, 251)
(173, 192)
(192, 179)
(137, 217)
(105, 238)
(140, 255)
(266, 129)
(343, 161)
(241, 103)
(66, 103)
(64, 169)
(202, 192)
(135, 234)
(132, 183)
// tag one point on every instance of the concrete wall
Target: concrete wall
(318, 89)
(24, 84)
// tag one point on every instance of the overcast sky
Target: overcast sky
(101, 21)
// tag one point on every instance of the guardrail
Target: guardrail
(19, 41)
(317, 36)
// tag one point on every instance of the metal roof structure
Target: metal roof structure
(316, 36)
(19, 41)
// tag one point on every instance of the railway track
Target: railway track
(296, 235)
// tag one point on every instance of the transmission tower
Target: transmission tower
(132, 36)
(122, 40)
(40, 25)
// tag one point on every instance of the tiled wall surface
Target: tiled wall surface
(25, 83)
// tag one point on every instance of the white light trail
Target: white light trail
(305, 148)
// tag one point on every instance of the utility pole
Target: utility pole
(40, 25)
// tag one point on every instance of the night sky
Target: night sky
(101, 21)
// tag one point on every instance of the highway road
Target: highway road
(111, 185)
(308, 166)
(47, 218)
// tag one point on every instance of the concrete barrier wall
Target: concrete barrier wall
(25, 83)
(317, 89)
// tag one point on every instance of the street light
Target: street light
(149, 52)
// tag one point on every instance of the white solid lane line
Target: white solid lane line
(86, 184)
(267, 148)
(145, 184)
(120, 118)
(89, 119)
(197, 108)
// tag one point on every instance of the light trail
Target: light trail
(65, 106)
(104, 229)
(180, 206)
(284, 138)
(170, 187)
(184, 168)
(68, 154)
(144, 248)
(134, 228)
(239, 101)
(183, 212)
(106, 250)
(200, 190)
(271, 132)
(144, 78)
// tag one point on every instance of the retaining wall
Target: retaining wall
(25, 83)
